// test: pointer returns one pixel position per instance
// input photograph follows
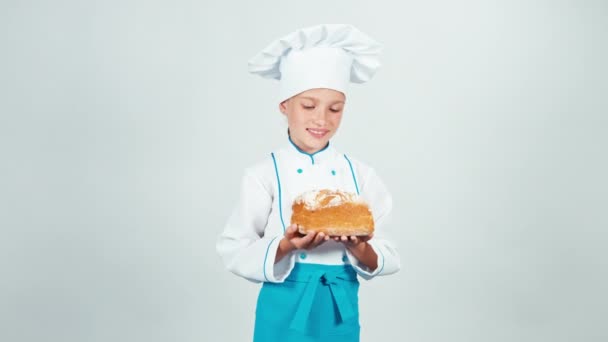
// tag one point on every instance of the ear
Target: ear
(283, 107)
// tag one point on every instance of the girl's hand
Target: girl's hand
(293, 240)
(300, 241)
(353, 242)
(360, 249)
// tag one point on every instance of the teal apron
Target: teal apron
(315, 303)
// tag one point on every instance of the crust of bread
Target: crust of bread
(346, 218)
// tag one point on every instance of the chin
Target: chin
(320, 146)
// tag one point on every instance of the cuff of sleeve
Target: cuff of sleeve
(363, 270)
(277, 273)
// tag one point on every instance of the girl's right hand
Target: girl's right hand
(295, 240)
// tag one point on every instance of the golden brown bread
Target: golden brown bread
(332, 212)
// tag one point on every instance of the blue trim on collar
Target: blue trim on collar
(276, 170)
(311, 155)
(352, 171)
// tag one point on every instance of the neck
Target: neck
(309, 152)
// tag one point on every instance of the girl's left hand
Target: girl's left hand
(352, 241)
(360, 249)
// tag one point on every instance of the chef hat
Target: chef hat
(322, 56)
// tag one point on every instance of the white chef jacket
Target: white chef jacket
(250, 239)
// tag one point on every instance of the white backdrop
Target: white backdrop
(125, 127)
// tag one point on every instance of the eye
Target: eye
(335, 110)
(308, 107)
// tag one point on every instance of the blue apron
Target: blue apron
(315, 303)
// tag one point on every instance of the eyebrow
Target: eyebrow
(316, 99)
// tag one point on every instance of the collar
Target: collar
(318, 157)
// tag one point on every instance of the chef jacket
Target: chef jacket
(250, 239)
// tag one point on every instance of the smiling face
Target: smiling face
(313, 117)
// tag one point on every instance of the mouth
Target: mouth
(317, 132)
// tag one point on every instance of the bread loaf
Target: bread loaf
(332, 212)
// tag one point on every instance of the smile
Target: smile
(317, 133)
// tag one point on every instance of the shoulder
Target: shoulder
(261, 167)
(264, 168)
(363, 169)
(367, 176)
(262, 172)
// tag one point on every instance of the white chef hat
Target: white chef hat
(322, 56)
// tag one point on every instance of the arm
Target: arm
(245, 245)
(374, 255)
(362, 251)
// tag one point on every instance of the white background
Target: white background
(125, 127)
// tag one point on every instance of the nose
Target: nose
(320, 116)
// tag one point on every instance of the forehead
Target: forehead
(322, 95)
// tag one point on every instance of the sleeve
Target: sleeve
(380, 200)
(243, 245)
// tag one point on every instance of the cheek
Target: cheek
(299, 119)
(295, 121)
(336, 119)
